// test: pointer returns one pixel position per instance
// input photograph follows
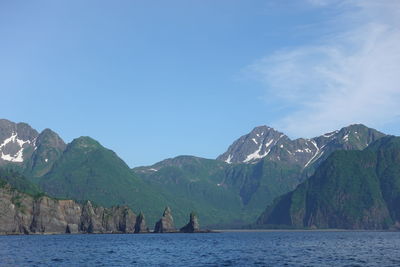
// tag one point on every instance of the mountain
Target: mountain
(350, 190)
(225, 193)
(193, 183)
(24, 149)
(228, 194)
(17, 142)
(49, 148)
(88, 171)
(266, 143)
(253, 146)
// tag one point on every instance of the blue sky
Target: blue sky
(157, 79)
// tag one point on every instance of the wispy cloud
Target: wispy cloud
(352, 76)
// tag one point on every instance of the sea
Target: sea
(231, 248)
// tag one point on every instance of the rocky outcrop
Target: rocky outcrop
(140, 226)
(24, 214)
(166, 223)
(193, 225)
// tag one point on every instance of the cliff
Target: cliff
(21, 213)
(166, 223)
(193, 226)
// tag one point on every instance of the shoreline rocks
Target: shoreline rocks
(193, 225)
(140, 225)
(166, 223)
(21, 213)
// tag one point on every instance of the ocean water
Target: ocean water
(275, 248)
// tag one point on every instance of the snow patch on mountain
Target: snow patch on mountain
(254, 155)
(17, 157)
(229, 159)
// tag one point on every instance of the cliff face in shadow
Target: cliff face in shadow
(21, 213)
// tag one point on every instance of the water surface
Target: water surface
(278, 248)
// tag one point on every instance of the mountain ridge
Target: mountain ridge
(224, 194)
(264, 141)
(350, 190)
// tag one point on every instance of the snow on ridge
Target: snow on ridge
(229, 159)
(316, 153)
(327, 135)
(254, 155)
(255, 141)
(346, 137)
(269, 143)
(18, 157)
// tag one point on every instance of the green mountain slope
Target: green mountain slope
(18, 182)
(88, 171)
(225, 193)
(350, 190)
(192, 183)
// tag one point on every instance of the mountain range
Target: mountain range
(229, 191)
(350, 190)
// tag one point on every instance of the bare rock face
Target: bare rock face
(140, 226)
(193, 225)
(166, 223)
(23, 214)
(103, 220)
(17, 142)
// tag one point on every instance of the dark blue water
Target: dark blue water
(221, 249)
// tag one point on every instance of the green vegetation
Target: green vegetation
(351, 190)
(224, 195)
(18, 182)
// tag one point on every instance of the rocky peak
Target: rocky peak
(166, 223)
(140, 226)
(193, 225)
(253, 146)
(49, 138)
(49, 148)
(17, 142)
(265, 142)
(84, 142)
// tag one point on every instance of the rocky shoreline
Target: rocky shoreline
(21, 213)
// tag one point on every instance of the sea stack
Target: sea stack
(166, 223)
(193, 225)
(140, 226)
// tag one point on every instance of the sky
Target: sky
(157, 79)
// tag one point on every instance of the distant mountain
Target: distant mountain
(253, 146)
(350, 190)
(224, 192)
(197, 183)
(265, 142)
(17, 142)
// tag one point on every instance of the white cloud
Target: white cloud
(352, 77)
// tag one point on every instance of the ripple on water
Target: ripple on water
(224, 249)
